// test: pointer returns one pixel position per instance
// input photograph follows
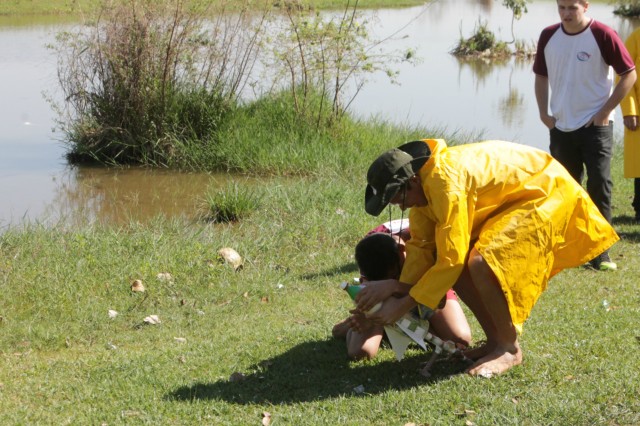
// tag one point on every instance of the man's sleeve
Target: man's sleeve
(420, 250)
(452, 238)
(540, 62)
(612, 49)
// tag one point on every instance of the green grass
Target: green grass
(268, 138)
(46, 7)
(64, 361)
(78, 7)
(230, 204)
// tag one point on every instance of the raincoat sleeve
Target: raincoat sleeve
(629, 105)
(451, 234)
(420, 250)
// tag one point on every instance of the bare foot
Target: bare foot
(479, 351)
(340, 330)
(496, 362)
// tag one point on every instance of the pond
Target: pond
(488, 101)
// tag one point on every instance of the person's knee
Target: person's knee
(463, 337)
(476, 263)
(460, 331)
(451, 323)
(458, 335)
(480, 271)
(361, 346)
(357, 354)
(341, 329)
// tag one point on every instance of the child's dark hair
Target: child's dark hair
(377, 256)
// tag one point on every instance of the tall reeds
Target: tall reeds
(147, 76)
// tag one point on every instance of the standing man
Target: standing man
(574, 59)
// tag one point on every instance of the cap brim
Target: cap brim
(374, 204)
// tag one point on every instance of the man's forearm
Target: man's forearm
(402, 289)
(542, 94)
(408, 303)
(620, 91)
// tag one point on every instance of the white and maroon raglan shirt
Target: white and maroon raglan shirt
(580, 70)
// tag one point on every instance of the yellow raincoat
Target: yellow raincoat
(516, 205)
(630, 106)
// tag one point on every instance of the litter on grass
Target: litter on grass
(137, 286)
(231, 257)
(164, 276)
(152, 319)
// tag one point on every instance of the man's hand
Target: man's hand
(619, 92)
(542, 99)
(548, 120)
(392, 310)
(374, 292)
(601, 119)
(360, 322)
(631, 122)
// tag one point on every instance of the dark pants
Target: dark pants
(589, 148)
(636, 196)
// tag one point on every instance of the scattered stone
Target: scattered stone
(137, 286)
(152, 319)
(231, 257)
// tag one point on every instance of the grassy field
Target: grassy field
(233, 345)
(65, 7)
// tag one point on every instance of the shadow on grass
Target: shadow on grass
(349, 268)
(318, 370)
(632, 237)
(624, 220)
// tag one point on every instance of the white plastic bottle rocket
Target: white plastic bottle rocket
(353, 290)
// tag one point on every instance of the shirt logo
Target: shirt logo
(583, 56)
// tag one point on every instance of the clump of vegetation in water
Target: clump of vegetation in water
(482, 43)
(150, 82)
(628, 8)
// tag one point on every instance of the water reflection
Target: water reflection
(485, 99)
(512, 107)
(104, 195)
(121, 196)
(480, 69)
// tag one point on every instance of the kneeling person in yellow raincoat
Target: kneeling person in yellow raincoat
(494, 220)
